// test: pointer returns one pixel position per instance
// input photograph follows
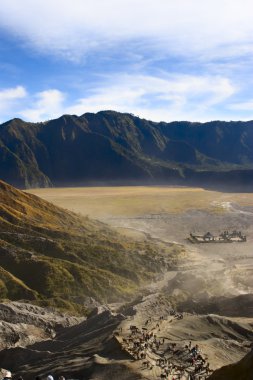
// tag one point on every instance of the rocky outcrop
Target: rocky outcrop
(73, 351)
(243, 370)
(22, 324)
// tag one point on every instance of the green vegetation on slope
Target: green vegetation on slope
(50, 255)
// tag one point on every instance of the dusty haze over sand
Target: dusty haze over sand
(216, 279)
(170, 214)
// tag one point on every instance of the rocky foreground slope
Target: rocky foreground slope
(243, 370)
(111, 146)
(105, 345)
(49, 256)
(23, 324)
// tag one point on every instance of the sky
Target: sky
(162, 60)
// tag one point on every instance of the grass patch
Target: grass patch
(54, 257)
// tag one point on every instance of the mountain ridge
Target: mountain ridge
(118, 147)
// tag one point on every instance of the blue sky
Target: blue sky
(161, 60)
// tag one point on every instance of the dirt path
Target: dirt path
(210, 271)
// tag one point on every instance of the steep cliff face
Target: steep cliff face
(111, 146)
(243, 370)
(20, 151)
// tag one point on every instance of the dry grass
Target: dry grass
(57, 254)
(131, 201)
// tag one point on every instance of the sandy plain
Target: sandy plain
(213, 287)
(102, 202)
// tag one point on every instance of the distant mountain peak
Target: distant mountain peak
(114, 147)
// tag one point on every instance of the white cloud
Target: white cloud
(243, 106)
(10, 96)
(168, 98)
(73, 28)
(46, 105)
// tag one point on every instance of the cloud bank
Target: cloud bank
(74, 28)
(162, 60)
(157, 98)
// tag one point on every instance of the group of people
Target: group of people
(167, 359)
(7, 375)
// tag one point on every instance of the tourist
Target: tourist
(7, 375)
